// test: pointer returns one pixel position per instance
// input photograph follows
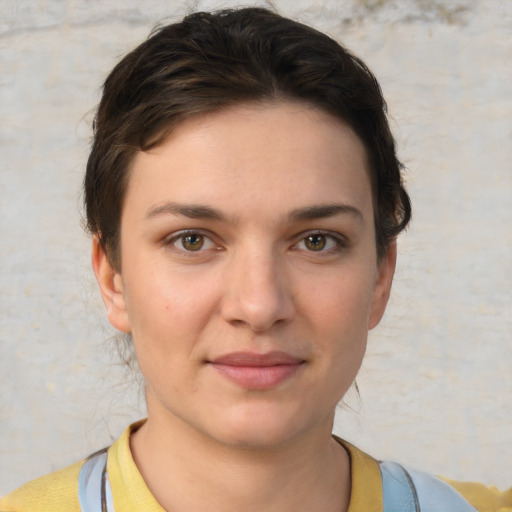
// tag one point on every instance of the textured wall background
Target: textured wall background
(436, 387)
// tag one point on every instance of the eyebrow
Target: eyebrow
(192, 211)
(195, 211)
(325, 210)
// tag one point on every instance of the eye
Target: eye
(191, 242)
(315, 242)
(320, 242)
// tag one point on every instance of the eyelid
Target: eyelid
(171, 239)
(341, 241)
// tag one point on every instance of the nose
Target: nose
(257, 291)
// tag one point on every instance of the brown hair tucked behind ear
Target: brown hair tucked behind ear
(213, 60)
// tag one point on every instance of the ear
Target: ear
(382, 289)
(111, 287)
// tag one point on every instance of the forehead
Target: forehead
(274, 157)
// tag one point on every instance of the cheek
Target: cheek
(171, 315)
(342, 303)
(338, 320)
(166, 297)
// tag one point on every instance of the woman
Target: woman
(244, 199)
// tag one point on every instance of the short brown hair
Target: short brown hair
(210, 61)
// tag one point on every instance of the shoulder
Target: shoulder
(484, 498)
(55, 492)
(430, 493)
(368, 492)
(58, 491)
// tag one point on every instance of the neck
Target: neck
(186, 470)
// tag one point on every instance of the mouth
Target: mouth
(257, 371)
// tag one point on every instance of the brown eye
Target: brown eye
(315, 242)
(192, 242)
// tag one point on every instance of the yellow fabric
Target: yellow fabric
(484, 499)
(129, 490)
(58, 492)
(366, 492)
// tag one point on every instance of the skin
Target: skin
(275, 271)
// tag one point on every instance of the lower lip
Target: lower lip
(258, 377)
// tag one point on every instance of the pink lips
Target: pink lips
(257, 371)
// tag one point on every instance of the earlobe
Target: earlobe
(111, 287)
(382, 288)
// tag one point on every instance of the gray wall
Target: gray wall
(436, 387)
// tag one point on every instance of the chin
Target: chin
(260, 429)
(263, 438)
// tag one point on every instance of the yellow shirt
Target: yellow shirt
(58, 492)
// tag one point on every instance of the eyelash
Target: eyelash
(340, 242)
(182, 235)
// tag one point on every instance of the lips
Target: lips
(257, 371)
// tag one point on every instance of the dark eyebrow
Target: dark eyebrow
(324, 210)
(191, 211)
(195, 211)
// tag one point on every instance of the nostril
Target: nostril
(257, 292)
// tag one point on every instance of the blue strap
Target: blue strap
(398, 495)
(94, 491)
(406, 490)
(436, 495)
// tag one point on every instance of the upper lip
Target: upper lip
(253, 359)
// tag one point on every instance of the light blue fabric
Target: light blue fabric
(108, 495)
(90, 492)
(398, 495)
(435, 495)
(405, 490)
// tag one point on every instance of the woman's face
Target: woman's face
(249, 273)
